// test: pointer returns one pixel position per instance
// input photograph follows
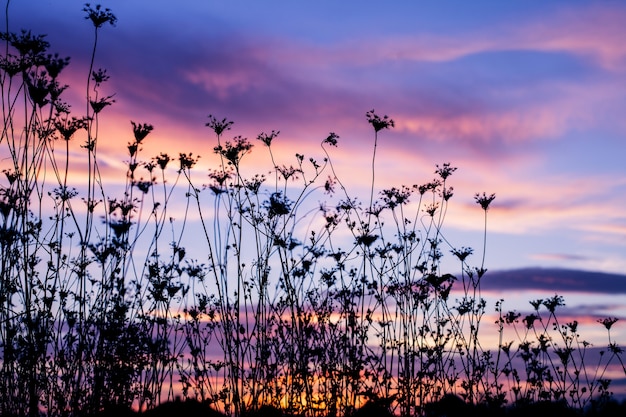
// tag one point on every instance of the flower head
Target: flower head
(267, 139)
(39, 86)
(100, 76)
(187, 161)
(98, 16)
(98, 105)
(141, 130)
(234, 150)
(379, 123)
(445, 171)
(54, 65)
(26, 43)
(607, 322)
(67, 127)
(162, 160)
(331, 139)
(462, 253)
(484, 200)
(219, 126)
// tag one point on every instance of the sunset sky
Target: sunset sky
(527, 99)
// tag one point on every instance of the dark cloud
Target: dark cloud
(555, 280)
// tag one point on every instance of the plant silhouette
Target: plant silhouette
(300, 298)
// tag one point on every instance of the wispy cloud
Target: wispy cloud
(559, 257)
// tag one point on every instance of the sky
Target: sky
(526, 99)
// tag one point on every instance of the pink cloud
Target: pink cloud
(594, 31)
(223, 84)
(511, 126)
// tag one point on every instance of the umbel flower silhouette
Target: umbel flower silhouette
(484, 200)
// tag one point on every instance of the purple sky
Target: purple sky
(527, 99)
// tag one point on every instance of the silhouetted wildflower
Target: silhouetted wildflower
(220, 176)
(91, 204)
(55, 91)
(102, 251)
(255, 183)
(101, 103)
(394, 197)
(125, 207)
(431, 186)
(536, 303)
(141, 130)
(572, 326)
(608, 322)
(143, 186)
(38, 88)
(480, 272)
(465, 306)
(329, 185)
(484, 200)
(445, 171)
(331, 139)
(554, 302)
(12, 176)
(267, 139)
(366, 239)
(13, 65)
(462, 253)
(529, 320)
(277, 205)
(61, 107)
(216, 189)
(187, 161)
(447, 193)
(149, 166)
(377, 122)
(100, 76)
(132, 149)
(44, 130)
(512, 317)
(219, 126)
(162, 160)
(431, 209)
(26, 43)
(54, 65)
(67, 127)
(98, 16)
(288, 172)
(235, 150)
(120, 227)
(332, 220)
(64, 193)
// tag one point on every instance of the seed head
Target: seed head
(379, 123)
(484, 200)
